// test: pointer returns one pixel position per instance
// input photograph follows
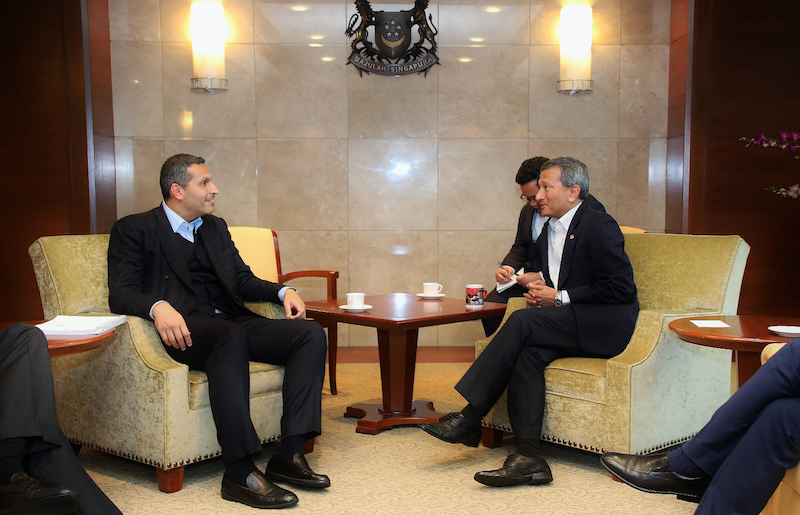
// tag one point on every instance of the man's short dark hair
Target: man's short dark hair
(174, 171)
(573, 173)
(530, 169)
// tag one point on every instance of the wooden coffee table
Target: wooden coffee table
(398, 318)
(747, 336)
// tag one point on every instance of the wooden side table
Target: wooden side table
(66, 345)
(746, 335)
(398, 318)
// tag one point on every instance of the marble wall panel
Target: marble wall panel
(643, 22)
(309, 22)
(316, 109)
(477, 190)
(643, 91)
(641, 197)
(314, 250)
(393, 185)
(483, 92)
(138, 167)
(137, 89)
(392, 261)
(134, 20)
(232, 163)
(176, 20)
(392, 107)
(192, 113)
(302, 184)
(600, 158)
(500, 23)
(556, 114)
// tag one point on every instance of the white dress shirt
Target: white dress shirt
(556, 238)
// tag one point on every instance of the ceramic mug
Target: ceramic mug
(475, 295)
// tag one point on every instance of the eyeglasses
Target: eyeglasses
(527, 199)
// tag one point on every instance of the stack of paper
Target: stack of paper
(64, 325)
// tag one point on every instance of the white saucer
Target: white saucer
(431, 297)
(359, 309)
(788, 331)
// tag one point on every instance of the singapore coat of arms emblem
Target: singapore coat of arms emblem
(392, 52)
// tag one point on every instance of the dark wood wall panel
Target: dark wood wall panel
(44, 137)
(742, 81)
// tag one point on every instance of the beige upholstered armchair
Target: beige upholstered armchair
(660, 390)
(129, 398)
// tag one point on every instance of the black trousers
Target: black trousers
(752, 439)
(223, 345)
(516, 358)
(490, 325)
(28, 410)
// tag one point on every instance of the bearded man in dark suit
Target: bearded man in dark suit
(177, 265)
(585, 305)
(524, 253)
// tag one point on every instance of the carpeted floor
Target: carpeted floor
(399, 471)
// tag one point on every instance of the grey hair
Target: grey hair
(573, 173)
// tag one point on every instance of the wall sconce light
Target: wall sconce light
(575, 34)
(208, 46)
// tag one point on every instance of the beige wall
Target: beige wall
(392, 180)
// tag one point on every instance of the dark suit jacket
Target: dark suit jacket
(145, 265)
(597, 274)
(525, 252)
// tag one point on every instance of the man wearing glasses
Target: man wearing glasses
(524, 254)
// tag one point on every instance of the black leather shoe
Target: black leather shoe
(454, 429)
(296, 472)
(652, 474)
(517, 470)
(259, 492)
(26, 496)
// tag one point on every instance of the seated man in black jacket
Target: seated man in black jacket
(39, 472)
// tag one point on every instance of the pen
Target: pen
(516, 274)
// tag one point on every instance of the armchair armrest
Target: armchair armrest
(330, 275)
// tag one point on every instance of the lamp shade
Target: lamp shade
(208, 46)
(575, 35)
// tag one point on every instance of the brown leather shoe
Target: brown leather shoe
(26, 496)
(517, 470)
(296, 472)
(259, 492)
(652, 474)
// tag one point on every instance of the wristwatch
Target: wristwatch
(557, 302)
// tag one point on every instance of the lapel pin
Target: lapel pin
(572, 236)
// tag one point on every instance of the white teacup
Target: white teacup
(355, 300)
(431, 288)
